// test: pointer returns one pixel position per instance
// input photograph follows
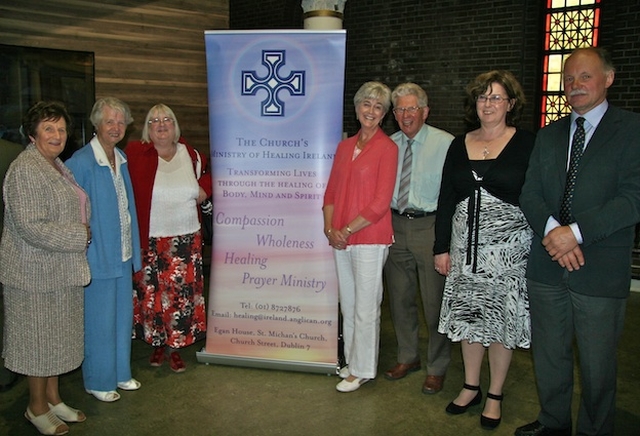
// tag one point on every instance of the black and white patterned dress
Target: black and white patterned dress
(491, 304)
(488, 239)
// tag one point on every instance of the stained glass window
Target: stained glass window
(569, 24)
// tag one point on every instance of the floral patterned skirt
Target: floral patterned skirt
(168, 300)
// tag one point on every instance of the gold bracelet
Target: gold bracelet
(349, 229)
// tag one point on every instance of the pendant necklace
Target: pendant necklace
(485, 153)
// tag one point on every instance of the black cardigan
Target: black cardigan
(503, 179)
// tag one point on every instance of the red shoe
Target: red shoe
(176, 363)
(157, 357)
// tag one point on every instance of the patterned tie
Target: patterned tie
(577, 148)
(405, 178)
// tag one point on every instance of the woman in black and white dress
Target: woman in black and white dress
(482, 239)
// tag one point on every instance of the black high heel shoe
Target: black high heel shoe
(491, 423)
(455, 409)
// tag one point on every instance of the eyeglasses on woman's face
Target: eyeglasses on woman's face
(492, 99)
(165, 120)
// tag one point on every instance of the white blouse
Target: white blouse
(174, 200)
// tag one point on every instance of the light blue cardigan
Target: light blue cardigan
(105, 252)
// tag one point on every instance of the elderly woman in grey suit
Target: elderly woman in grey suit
(43, 267)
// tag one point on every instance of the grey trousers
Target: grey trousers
(409, 269)
(558, 314)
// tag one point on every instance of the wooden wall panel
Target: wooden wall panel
(146, 52)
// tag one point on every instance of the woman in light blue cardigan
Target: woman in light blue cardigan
(114, 254)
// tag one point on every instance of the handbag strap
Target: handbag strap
(198, 165)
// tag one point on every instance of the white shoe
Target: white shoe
(66, 413)
(47, 423)
(106, 396)
(131, 385)
(350, 386)
(344, 372)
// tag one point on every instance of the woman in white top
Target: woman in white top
(169, 184)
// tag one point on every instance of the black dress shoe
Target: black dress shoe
(538, 429)
(455, 409)
(491, 423)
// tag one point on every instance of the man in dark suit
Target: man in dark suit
(579, 269)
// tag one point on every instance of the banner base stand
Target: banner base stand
(251, 362)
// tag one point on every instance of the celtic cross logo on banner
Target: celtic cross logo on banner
(273, 83)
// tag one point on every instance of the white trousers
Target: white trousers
(359, 269)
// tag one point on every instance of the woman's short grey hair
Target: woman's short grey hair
(375, 91)
(116, 104)
(157, 111)
(405, 89)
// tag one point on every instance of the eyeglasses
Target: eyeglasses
(412, 110)
(493, 99)
(165, 120)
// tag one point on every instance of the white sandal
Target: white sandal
(131, 385)
(106, 396)
(47, 423)
(66, 413)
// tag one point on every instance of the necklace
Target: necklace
(485, 152)
(488, 143)
(361, 143)
(110, 154)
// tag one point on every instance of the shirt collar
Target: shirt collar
(594, 116)
(101, 155)
(420, 137)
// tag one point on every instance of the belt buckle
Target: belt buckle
(410, 214)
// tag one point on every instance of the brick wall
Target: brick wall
(443, 44)
(265, 14)
(621, 36)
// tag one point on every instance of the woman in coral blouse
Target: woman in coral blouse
(357, 223)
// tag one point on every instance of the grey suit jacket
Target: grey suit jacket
(606, 202)
(43, 241)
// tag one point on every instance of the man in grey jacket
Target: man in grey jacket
(582, 199)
